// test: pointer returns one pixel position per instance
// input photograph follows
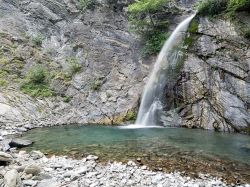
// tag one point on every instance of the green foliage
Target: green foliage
(148, 15)
(147, 6)
(3, 61)
(74, 66)
(3, 73)
(247, 33)
(62, 76)
(96, 85)
(67, 99)
(215, 7)
(37, 75)
(36, 82)
(235, 5)
(87, 4)
(36, 90)
(193, 27)
(188, 41)
(37, 39)
(246, 130)
(3, 83)
(212, 7)
(131, 116)
(153, 42)
(148, 19)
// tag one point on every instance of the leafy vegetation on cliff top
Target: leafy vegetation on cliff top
(215, 7)
(227, 8)
(148, 19)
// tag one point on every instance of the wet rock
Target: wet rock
(138, 159)
(6, 145)
(21, 129)
(20, 143)
(92, 157)
(131, 163)
(12, 179)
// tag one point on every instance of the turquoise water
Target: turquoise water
(113, 142)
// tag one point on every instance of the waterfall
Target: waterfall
(151, 103)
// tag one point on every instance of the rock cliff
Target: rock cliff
(214, 84)
(108, 74)
(57, 34)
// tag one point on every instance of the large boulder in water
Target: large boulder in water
(20, 143)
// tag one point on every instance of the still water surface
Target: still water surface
(114, 142)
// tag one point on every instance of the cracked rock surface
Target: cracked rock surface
(96, 39)
(214, 87)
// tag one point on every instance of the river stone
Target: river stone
(20, 143)
(81, 171)
(12, 179)
(48, 183)
(4, 157)
(36, 155)
(6, 145)
(32, 169)
(41, 176)
(29, 182)
(92, 157)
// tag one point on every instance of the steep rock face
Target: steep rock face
(214, 85)
(112, 74)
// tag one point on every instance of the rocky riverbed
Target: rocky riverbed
(35, 169)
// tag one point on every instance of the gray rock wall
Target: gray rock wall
(100, 42)
(212, 91)
(214, 86)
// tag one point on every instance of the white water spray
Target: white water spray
(151, 104)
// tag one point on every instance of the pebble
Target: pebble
(32, 169)
(92, 157)
(29, 183)
(58, 171)
(5, 157)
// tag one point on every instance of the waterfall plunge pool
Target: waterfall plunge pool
(170, 149)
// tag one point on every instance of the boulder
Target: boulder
(4, 157)
(36, 155)
(12, 179)
(6, 145)
(20, 143)
(32, 169)
(30, 183)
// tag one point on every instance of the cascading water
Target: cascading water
(151, 104)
